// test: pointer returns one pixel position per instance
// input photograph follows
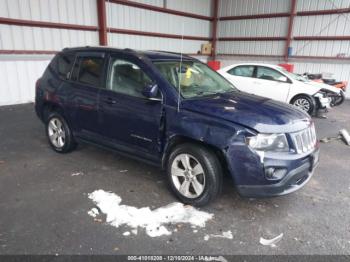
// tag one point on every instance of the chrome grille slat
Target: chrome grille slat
(304, 140)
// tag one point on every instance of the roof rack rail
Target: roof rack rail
(130, 50)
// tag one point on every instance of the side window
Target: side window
(246, 71)
(270, 74)
(90, 71)
(127, 78)
(64, 64)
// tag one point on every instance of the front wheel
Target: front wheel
(195, 174)
(304, 102)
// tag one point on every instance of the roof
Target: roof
(254, 64)
(152, 55)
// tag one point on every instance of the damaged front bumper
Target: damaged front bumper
(292, 181)
(323, 101)
(250, 176)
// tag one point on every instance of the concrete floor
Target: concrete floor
(43, 209)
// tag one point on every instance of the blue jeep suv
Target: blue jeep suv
(173, 111)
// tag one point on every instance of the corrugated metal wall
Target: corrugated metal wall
(124, 17)
(318, 25)
(18, 73)
(252, 27)
(18, 77)
(82, 12)
(321, 25)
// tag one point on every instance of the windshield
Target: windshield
(293, 76)
(194, 79)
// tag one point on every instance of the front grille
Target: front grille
(305, 140)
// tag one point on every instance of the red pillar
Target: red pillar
(214, 26)
(290, 28)
(102, 21)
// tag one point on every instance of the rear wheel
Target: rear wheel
(59, 134)
(304, 102)
(195, 174)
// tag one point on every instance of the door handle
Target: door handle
(110, 101)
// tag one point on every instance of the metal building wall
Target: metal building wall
(267, 27)
(132, 18)
(327, 25)
(322, 25)
(18, 73)
(81, 12)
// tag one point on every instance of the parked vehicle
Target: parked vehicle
(336, 99)
(277, 83)
(129, 101)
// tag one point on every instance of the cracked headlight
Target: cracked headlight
(268, 142)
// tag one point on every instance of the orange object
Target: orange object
(215, 65)
(342, 85)
(288, 67)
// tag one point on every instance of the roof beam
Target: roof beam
(159, 9)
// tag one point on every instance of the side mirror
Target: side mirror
(151, 91)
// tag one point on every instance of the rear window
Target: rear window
(246, 71)
(88, 70)
(64, 64)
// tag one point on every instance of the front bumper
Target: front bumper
(250, 177)
(324, 102)
(293, 181)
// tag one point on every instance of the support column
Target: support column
(214, 27)
(293, 4)
(102, 22)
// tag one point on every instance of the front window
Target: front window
(293, 76)
(127, 78)
(193, 79)
(270, 74)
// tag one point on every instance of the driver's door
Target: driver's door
(129, 120)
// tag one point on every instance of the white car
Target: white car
(277, 83)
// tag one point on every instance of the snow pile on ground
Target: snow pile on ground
(152, 220)
(226, 234)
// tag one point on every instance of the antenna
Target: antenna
(179, 88)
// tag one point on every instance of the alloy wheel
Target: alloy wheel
(57, 134)
(188, 176)
(303, 104)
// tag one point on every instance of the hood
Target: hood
(324, 86)
(261, 114)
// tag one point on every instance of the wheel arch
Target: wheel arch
(302, 94)
(180, 139)
(49, 107)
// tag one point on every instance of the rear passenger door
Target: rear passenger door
(86, 81)
(130, 120)
(242, 77)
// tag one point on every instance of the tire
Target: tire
(184, 181)
(305, 103)
(58, 133)
(337, 101)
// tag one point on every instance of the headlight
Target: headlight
(268, 142)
